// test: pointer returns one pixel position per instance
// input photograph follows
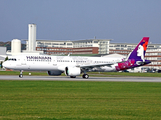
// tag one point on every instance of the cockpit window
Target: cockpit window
(11, 59)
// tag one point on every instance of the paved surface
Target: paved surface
(66, 78)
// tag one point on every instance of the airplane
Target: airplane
(75, 65)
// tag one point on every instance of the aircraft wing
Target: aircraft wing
(95, 65)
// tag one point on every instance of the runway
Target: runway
(79, 78)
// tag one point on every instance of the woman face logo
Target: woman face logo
(140, 52)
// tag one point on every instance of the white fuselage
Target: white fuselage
(48, 63)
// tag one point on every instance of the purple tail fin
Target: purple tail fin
(136, 58)
(139, 52)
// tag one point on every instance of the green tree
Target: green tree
(6, 58)
(1, 64)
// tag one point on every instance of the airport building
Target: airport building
(91, 46)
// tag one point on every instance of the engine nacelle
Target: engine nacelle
(72, 71)
(54, 73)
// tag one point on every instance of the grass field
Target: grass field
(24, 73)
(58, 100)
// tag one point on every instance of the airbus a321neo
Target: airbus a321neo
(74, 65)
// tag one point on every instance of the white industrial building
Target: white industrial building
(15, 47)
(31, 46)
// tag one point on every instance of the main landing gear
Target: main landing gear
(86, 76)
(21, 74)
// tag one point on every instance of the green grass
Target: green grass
(58, 100)
(24, 73)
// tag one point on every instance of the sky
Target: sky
(124, 21)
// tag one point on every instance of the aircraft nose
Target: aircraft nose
(4, 64)
(8, 65)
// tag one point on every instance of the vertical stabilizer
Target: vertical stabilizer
(139, 52)
(136, 58)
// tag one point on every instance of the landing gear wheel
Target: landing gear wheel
(72, 76)
(21, 76)
(86, 76)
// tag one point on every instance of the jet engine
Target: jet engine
(54, 73)
(72, 71)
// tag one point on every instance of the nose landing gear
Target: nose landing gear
(21, 74)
